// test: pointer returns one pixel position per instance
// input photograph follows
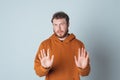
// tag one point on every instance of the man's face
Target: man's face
(60, 27)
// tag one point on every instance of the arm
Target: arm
(40, 71)
(42, 63)
(85, 71)
(82, 62)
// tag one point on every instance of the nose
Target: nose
(59, 27)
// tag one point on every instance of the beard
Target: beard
(60, 35)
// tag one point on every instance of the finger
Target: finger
(44, 54)
(41, 53)
(87, 56)
(84, 52)
(48, 53)
(52, 58)
(75, 60)
(39, 57)
(79, 53)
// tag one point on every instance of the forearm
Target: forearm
(40, 71)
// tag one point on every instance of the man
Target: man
(62, 56)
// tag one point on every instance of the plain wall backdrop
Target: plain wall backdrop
(24, 24)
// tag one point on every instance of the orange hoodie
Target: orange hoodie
(64, 67)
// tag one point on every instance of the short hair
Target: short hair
(60, 15)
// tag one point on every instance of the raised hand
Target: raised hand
(45, 60)
(82, 60)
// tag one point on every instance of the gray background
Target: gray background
(25, 23)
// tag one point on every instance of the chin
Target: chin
(61, 36)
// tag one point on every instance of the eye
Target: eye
(62, 24)
(54, 24)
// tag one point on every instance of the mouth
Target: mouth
(60, 32)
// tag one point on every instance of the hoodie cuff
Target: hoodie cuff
(84, 72)
(46, 68)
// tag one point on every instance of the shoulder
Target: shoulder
(78, 42)
(46, 41)
(44, 44)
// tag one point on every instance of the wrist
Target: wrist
(46, 67)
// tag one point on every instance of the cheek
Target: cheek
(64, 28)
(55, 29)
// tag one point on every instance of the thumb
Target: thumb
(52, 58)
(75, 60)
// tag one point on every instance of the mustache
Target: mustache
(60, 31)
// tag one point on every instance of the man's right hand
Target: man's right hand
(45, 60)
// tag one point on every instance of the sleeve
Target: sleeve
(40, 71)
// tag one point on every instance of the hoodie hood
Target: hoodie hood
(69, 38)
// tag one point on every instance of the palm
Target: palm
(45, 59)
(82, 60)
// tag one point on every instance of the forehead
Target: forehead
(59, 20)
